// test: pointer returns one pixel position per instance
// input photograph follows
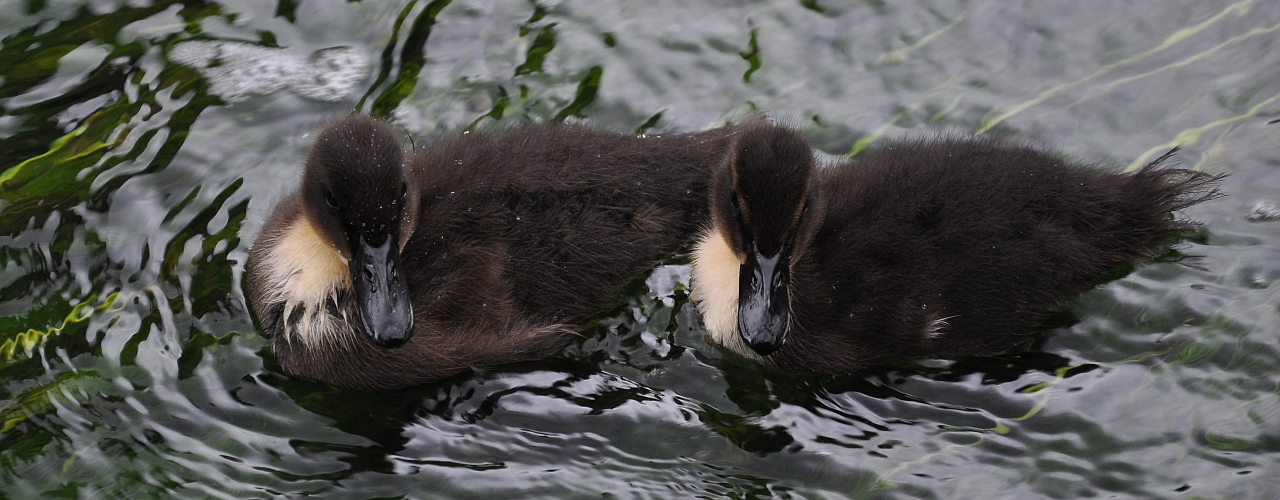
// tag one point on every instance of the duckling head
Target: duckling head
(355, 191)
(331, 251)
(765, 208)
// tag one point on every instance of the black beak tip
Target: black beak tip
(390, 342)
(764, 348)
(391, 336)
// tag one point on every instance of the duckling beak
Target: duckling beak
(764, 310)
(382, 293)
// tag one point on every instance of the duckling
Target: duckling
(485, 249)
(919, 248)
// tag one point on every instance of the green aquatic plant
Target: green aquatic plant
(412, 58)
(752, 56)
(1192, 135)
(28, 340)
(1239, 9)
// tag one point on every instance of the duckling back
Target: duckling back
(566, 215)
(963, 246)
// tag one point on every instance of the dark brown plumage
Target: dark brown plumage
(519, 236)
(918, 247)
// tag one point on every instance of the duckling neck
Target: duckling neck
(715, 290)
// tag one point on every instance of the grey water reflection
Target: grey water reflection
(142, 144)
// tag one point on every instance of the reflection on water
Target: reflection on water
(142, 145)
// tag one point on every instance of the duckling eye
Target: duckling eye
(328, 198)
(404, 191)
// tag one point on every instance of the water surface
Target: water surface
(142, 144)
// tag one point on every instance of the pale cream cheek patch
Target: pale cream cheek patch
(305, 271)
(715, 290)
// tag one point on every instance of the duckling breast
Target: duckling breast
(715, 290)
(300, 285)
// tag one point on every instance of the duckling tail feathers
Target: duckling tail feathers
(1153, 193)
(1177, 188)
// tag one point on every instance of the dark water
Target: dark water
(142, 144)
